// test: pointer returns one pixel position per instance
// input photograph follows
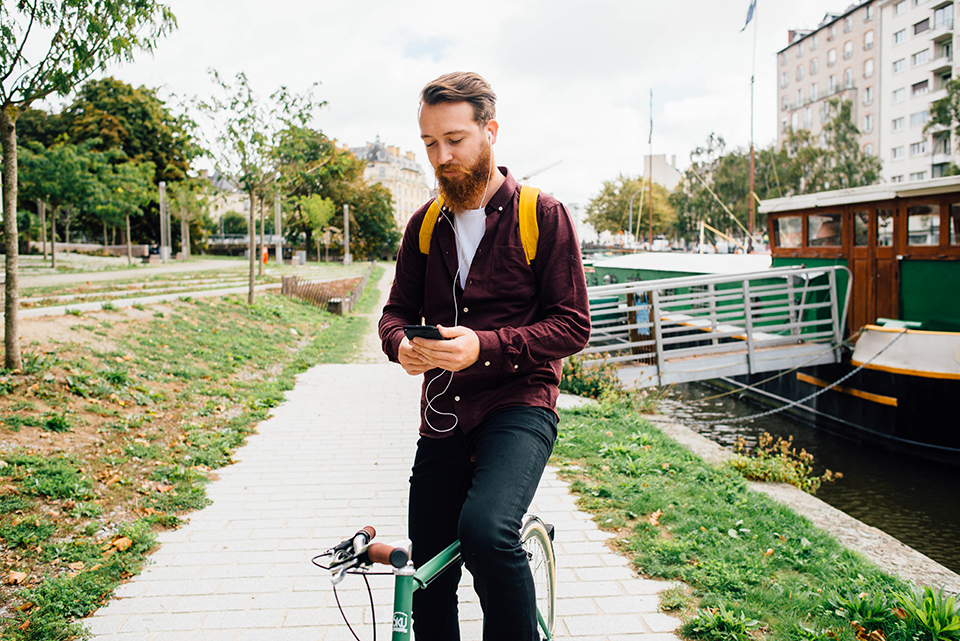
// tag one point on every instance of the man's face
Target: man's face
(459, 150)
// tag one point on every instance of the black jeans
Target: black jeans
(477, 488)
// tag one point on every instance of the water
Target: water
(917, 502)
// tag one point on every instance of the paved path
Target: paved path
(334, 457)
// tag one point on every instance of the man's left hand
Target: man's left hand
(459, 352)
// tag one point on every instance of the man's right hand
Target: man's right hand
(410, 360)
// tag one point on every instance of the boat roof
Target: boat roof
(692, 263)
(871, 193)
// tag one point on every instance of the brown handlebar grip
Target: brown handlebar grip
(371, 532)
(387, 555)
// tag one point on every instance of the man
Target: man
(488, 417)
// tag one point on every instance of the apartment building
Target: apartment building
(401, 174)
(918, 42)
(840, 58)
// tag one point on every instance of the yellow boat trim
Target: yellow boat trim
(908, 372)
(900, 330)
(876, 398)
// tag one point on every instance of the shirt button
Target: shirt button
(456, 398)
(466, 309)
(500, 208)
(486, 364)
(516, 367)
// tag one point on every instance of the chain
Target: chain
(777, 410)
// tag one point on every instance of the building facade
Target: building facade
(841, 58)
(664, 173)
(917, 37)
(401, 174)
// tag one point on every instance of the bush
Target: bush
(779, 462)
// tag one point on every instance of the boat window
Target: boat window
(884, 228)
(788, 230)
(824, 230)
(923, 225)
(861, 228)
(955, 224)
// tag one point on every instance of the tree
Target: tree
(247, 132)
(188, 204)
(610, 209)
(77, 38)
(944, 117)
(847, 164)
(124, 189)
(373, 229)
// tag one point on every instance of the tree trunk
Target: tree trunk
(129, 248)
(53, 237)
(184, 236)
(11, 301)
(251, 242)
(104, 236)
(262, 239)
(42, 210)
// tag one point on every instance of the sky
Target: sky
(573, 78)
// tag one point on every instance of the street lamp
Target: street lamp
(630, 217)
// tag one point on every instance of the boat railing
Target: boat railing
(701, 327)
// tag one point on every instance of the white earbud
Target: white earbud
(490, 137)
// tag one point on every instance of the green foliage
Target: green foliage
(599, 381)
(57, 422)
(610, 209)
(871, 609)
(719, 624)
(26, 533)
(46, 476)
(931, 614)
(779, 462)
(373, 230)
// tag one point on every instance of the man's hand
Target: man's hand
(412, 363)
(459, 352)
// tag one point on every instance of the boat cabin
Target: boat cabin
(900, 241)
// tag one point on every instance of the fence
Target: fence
(322, 295)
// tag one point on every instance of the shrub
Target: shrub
(779, 462)
(719, 624)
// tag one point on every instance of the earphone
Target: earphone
(490, 137)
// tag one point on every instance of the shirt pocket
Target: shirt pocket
(510, 268)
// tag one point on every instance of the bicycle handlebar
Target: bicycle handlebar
(387, 554)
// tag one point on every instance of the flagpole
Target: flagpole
(753, 73)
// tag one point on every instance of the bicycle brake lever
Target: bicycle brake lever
(338, 577)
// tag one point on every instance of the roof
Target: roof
(691, 263)
(871, 193)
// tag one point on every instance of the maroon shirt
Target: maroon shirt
(527, 317)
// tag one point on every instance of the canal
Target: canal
(917, 502)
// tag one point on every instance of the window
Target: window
(918, 148)
(955, 224)
(868, 96)
(807, 118)
(868, 123)
(923, 223)
(848, 78)
(813, 42)
(788, 230)
(868, 149)
(895, 179)
(784, 106)
(832, 31)
(942, 145)
(783, 79)
(847, 49)
(920, 57)
(919, 175)
(799, 97)
(847, 24)
(899, 36)
(897, 124)
(800, 48)
(943, 17)
(831, 84)
(885, 222)
(868, 68)
(900, 7)
(897, 153)
(813, 91)
(868, 13)
(920, 88)
(868, 40)
(783, 60)
(783, 125)
(861, 228)
(919, 118)
(823, 230)
(898, 67)
(795, 120)
(899, 95)
(831, 57)
(799, 72)
(814, 66)
(921, 26)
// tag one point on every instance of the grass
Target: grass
(757, 569)
(120, 428)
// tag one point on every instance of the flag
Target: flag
(753, 5)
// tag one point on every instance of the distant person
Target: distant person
(488, 403)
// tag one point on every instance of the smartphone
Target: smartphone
(424, 331)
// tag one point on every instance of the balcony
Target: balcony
(941, 158)
(941, 64)
(941, 29)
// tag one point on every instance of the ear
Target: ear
(491, 131)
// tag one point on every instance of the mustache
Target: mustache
(455, 167)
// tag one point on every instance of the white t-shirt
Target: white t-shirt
(470, 226)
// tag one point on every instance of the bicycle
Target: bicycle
(358, 554)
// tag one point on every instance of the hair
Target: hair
(463, 86)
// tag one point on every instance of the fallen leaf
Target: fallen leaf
(77, 565)
(16, 578)
(163, 489)
(769, 552)
(122, 543)
(655, 517)
(113, 479)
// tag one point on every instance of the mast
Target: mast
(753, 72)
(650, 141)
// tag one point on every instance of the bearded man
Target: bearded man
(488, 417)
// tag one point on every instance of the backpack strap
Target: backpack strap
(529, 229)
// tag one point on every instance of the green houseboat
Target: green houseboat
(901, 244)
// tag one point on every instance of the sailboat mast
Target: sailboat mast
(650, 141)
(753, 72)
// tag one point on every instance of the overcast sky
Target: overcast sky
(573, 78)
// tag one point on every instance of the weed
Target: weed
(779, 462)
(26, 533)
(117, 377)
(931, 614)
(51, 477)
(74, 312)
(591, 381)
(108, 306)
(158, 314)
(13, 503)
(139, 306)
(53, 422)
(674, 599)
(871, 609)
(16, 421)
(719, 624)
(86, 509)
(22, 406)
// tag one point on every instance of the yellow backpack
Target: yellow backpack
(529, 230)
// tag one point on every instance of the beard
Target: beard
(465, 190)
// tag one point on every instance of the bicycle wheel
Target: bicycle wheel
(536, 542)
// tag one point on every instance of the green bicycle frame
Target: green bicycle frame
(407, 580)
